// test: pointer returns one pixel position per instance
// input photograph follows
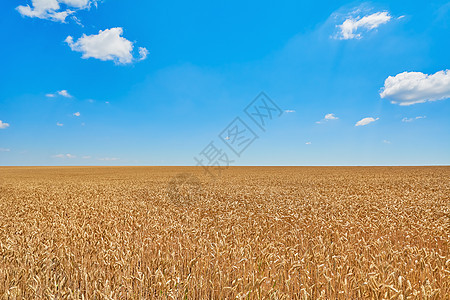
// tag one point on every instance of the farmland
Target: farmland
(253, 232)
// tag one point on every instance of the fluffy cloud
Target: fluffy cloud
(59, 124)
(308, 143)
(63, 93)
(5, 149)
(351, 28)
(108, 44)
(409, 88)
(108, 159)
(143, 52)
(330, 117)
(77, 114)
(3, 125)
(327, 117)
(366, 121)
(52, 10)
(289, 111)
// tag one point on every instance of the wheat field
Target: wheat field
(252, 233)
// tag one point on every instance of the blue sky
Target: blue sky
(153, 83)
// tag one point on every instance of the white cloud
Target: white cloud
(77, 21)
(413, 119)
(143, 52)
(366, 121)
(308, 143)
(108, 44)
(52, 10)
(77, 114)
(68, 155)
(409, 88)
(5, 149)
(327, 117)
(289, 111)
(108, 158)
(59, 124)
(86, 157)
(351, 28)
(63, 93)
(386, 141)
(3, 125)
(330, 117)
(406, 120)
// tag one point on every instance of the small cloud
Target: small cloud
(308, 143)
(409, 88)
(59, 124)
(407, 120)
(3, 125)
(353, 25)
(63, 93)
(86, 157)
(386, 141)
(366, 121)
(68, 155)
(5, 149)
(107, 102)
(91, 100)
(77, 114)
(77, 21)
(82, 124)
(327, 117)
(330, 117)
(289, 111)
(108, 159)
(108, 44)
(143, 52)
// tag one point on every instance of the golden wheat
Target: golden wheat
(255, 232)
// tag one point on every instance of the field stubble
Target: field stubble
(255, 232)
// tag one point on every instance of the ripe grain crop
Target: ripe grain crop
(253, 233)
